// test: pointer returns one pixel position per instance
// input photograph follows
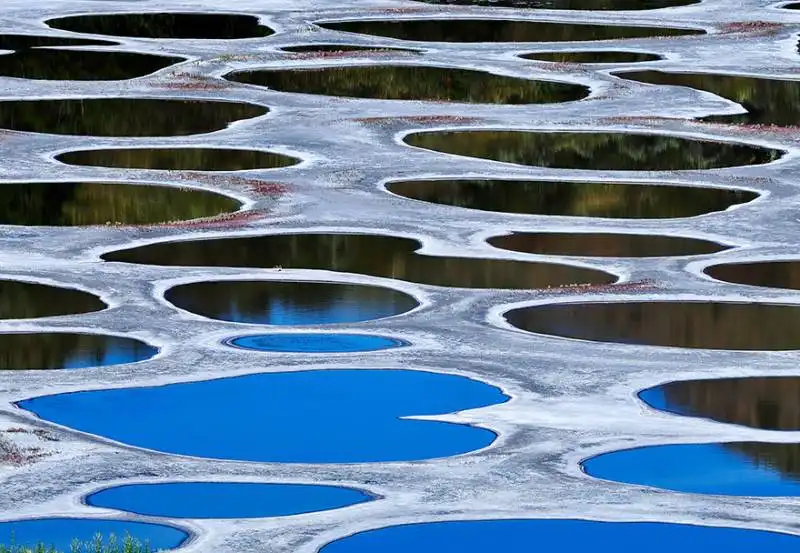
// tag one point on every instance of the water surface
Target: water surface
(165, 25)
(179, 159)
(335, 48)
(766, 403)
(98, 203)
(78, 65)
(613, 151)
(225, 499)
(577, 199)
(408, 82)
(289, 303)
(593, 56)
(22, 42)
(600, 244)
(123, 116)
(60, 532)
(68, 350)
(375, 255)
(594, 5)
(735, 468)
(565, 536)
(767, 101)
(685, 324)
(769, 274)
(324, 416)
(316, 343)
(499, 30)
(27, 300)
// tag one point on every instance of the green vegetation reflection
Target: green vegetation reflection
(381, 256)
(594, 150)
(684, 324)
(28, 300)
(405, 82)
(769, 274)
(499, 30)
(599, 244)
(581, 199)
(165, 25)
(123, 117)
(74, 65)
(767, 101)
(95, 203)
(179, 159)
(594, 5)
(592, 56)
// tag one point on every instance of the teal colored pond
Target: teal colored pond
(225, 499)
(733, 468)
(316, 343)
(317, 416)
(564, 536)
(60, 533)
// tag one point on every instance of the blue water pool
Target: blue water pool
(60, 532)
(316, 343)
(734, 468)
(564, 536)
(317, 416)
(225, 499)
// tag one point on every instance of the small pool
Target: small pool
(81, 65)
(60, 533)
(179, 159)
(315, 416)
(593, 56)
(69, 350)
(28, 300)
(225, 499)
(316, 343)
(734, 468)
(172, 25)
(782, 273)
(565, 536)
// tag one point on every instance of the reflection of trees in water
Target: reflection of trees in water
(400, 82)
(123, 117)
(81, 65)
(573, 198)
(314, 48)
(774, 274)
(21, 42)
(364, 254)
(769, 403)
(604, 244)
(498, 30)
(782, 457)
(179, 159)
(165, 25)
(22, 300)
(57, 350)
(597, 56)
(768, 101)
(58, 204)
(570, 4)
(612, 151)
(269, 302)
(745, 326)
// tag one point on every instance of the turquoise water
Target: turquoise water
(316, 343)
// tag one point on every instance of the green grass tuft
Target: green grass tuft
(128, 544)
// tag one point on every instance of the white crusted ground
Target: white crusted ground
(571, 399)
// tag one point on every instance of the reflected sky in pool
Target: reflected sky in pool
(316, 343)
(317, 416)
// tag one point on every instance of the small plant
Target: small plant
(128, 544)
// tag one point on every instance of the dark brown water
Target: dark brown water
(592, 150)
(289, 303)
(165, 25)
(592, 56)
(382, 256)
(26, 300)
(335, 48)
(179, 159)
(767, 101)
(767, 403)
(74, 65)
(21, 42)
(95, 203)
(604, 244)
(594, 5)
(404, 82)
(123, 117)
(770, 274)
(709, 325)
(63, 350)
(499, 30)
(581, 199)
